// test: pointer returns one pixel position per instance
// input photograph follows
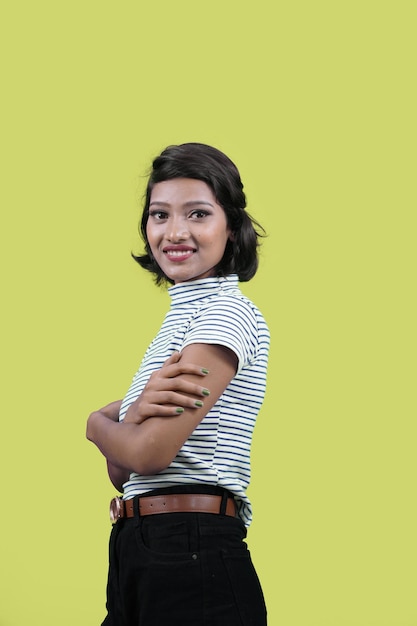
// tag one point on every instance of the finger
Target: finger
(162, 390)
(153, 410)
(175, 369)
(185, 401)
(165, 410)
(177, 398)
(174, 358)
(185, 386)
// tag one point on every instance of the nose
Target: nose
(177, 229)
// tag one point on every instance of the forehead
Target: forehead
(180, 190)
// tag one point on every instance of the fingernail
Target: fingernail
(205, 392)
(198, 403)
(204, 370)
(180, 410)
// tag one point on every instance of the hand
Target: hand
(166, 393)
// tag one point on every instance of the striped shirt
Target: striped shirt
(211, 311)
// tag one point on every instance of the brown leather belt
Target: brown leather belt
(172, 503)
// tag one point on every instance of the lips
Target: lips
(178, 253)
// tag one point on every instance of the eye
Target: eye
(158, 215)
(198, 214)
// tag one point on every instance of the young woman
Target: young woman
(178, 445)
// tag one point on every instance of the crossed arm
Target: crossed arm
(153, 431)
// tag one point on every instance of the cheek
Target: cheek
(150, 235)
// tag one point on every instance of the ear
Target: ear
(231, 236)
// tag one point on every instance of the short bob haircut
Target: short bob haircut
(203, 162)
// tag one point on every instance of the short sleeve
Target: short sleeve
(230, 322)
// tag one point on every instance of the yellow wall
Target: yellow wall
(315, 102)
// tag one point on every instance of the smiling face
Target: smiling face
(186, 229)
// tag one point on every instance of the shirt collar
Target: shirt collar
(183, 293)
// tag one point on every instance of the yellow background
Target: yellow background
(315, 102)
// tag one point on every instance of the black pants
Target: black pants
(185, 569)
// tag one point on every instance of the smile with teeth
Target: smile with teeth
(179, 254)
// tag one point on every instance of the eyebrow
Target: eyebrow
(186, 204)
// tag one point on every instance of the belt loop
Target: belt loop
(136, 507)
(223, 505)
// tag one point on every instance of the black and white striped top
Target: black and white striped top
(214, 311)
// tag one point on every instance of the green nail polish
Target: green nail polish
(179, 410)
(205, 392)
(198, 403)
(204, 370)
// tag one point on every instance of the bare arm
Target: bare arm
(165, 394)
(118, 475)
(147, 446)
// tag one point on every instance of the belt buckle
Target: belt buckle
(116, 509)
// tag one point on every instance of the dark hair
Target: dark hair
(203, 162)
